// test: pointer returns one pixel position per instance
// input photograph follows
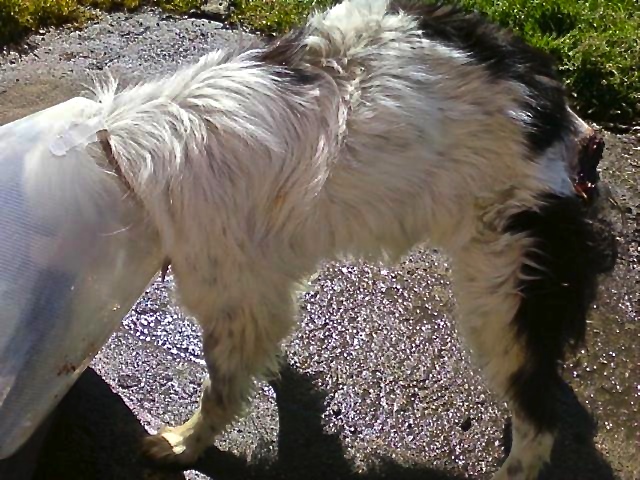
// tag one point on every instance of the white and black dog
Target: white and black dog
(377, 126)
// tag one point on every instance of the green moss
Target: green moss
(274, 16)
(178, 6)
(112, 5)
(19, 17)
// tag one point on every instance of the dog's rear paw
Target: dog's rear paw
(169, 449)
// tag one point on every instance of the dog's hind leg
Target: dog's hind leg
(523, 293)
(241, 338)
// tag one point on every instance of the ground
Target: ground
(375, 383)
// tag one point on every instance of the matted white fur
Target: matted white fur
(252, 179)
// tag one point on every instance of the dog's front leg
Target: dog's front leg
(486, 278)
(241, 341)
(524, 294)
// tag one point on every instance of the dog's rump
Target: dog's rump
(75, 254)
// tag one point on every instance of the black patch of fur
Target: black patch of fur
(569, 253)
(286, 54)
(507, 58)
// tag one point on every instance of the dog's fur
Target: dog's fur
(377, 126)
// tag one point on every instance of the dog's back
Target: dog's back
(431, 116)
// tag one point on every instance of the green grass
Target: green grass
(596, 42)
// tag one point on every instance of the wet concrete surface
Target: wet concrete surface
(375, 384)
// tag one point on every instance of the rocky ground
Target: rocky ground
(376, 384)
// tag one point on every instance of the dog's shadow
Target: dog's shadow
(95, 436)
(575, 456)
(307, 452)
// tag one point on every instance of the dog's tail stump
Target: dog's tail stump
(76, 252)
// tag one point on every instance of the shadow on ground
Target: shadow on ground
(307, 452)
(94, 436)
(575, 456)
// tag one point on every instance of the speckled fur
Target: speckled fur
(356, 135)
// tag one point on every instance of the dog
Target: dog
(376, 126)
